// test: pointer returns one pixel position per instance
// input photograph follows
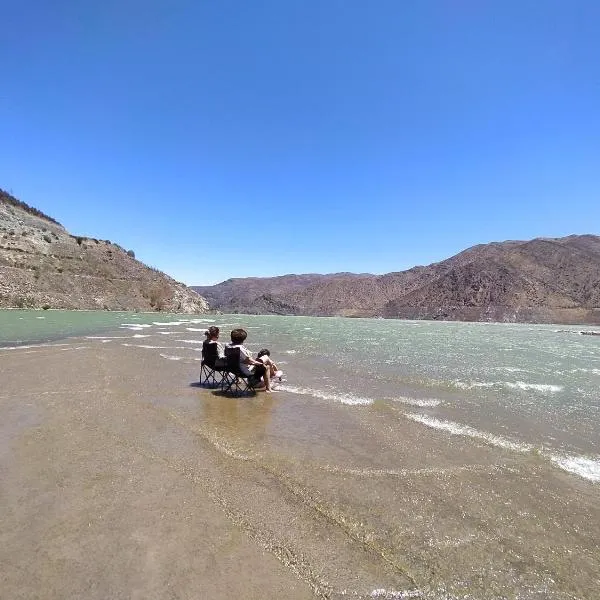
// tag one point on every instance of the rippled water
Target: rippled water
(520, 387)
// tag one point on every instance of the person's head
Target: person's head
(212, 332)
(264, 352)
(238, 336)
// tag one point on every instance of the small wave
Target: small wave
(140, 335)
(586, 467)
(422, 402)
(155, 347)
(190, 341)
(290, 351)
(384, 594)
(518, 385)
(194, 329)
(342, 398)
(169, 357)
(169, 323)
(167, 332)
(137, 325)
(465, 430)
(31, 346)
(538, 387)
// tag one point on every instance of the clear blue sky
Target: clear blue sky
(241, 138)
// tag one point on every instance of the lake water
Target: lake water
(525, 388)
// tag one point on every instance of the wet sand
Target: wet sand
(119, 479)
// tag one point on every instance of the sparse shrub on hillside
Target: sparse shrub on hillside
(131, 253)
(47, 238)
(45, 307)
(79, 240)
(159, 295)
(10, 199)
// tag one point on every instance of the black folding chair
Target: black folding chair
(211, 365)
(235, 381)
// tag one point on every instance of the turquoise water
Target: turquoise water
(27, 326)
(520, 387)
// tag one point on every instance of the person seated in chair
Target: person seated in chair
(255, 370)
(212, 351)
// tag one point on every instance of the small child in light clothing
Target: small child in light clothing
(265, 357)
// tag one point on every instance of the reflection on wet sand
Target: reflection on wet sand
(239, 418)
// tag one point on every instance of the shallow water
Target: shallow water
(521, 387)
(400, 459)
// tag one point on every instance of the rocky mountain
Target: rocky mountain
(540, 280)
(43, 266)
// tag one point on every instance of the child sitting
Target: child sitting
(265, 357)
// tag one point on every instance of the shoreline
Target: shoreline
(118, 471)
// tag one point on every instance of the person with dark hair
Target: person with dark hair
(264, 356)
(212, 350)
(255, 370)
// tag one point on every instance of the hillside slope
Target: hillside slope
(540, 280)
(43, 265)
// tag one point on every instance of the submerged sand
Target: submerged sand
(119, 479)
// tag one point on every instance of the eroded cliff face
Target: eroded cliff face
(542, 280)
(43, 265)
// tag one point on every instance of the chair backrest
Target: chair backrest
(232, 355)
(210, 353)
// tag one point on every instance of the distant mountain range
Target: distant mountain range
(542, 280)
(43, 266)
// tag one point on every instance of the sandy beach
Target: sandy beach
(121, 479)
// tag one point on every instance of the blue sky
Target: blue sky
(235, 138)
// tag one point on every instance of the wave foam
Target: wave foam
(342, 398)
(395, 595)
(169, 357)
(518, 385)
(421, 402)
(588, 468)
(538, 387)
(465, 430)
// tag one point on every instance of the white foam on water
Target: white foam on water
(586, 467)
(594, 371)
(140, 335)
(105, 341)
(170, 323)
(342, 398)
(194, 329)
(167, 332)
(31, 346)
(190, 341)
(169, 357)
(290, 351)
(538, 387)
(545, 388)
(40, 317)
(422, 402)
(106, 337)
(395, 594)
(465, 430)
(201, 321)
(154, 347)
(137, 325)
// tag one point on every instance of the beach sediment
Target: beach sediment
(120, 479)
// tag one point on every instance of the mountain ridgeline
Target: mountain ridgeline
(43, 266)
(539, 281)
